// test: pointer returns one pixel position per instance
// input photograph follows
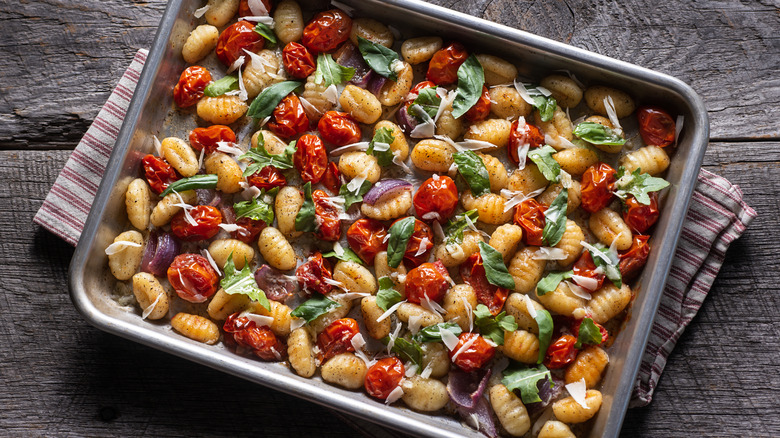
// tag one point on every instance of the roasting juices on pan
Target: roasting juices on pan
(406, 218)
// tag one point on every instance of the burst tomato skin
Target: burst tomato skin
(585, 267)
(339, 128)
(561, 352)
(472, 271)
(207, 138)
(336, 338)
(311, 275)
(632, 260)
(443, 66)
(244, 11)
(261, 340)
(422, 236)
(656, 126)
(598, 181)
(193, 278)
(267, 178)
(427, 280)
(383, 377)
(415, 91)
(481, 109)
(476, 356)
(250, 229)
(298, 61)
(310, 158)
(332, 178)
(326, 31)
(328, 223)
(367, 238)
(189, 89)
(436, 199)
(159, 174)
(530, 216)
(522, 135)
(207, 220)
(640, 217)
(289, 119)
(235, 39)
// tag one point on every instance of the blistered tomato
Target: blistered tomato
(436, 199)
(159, 174)
(427, 280)
(656, 126)
(207, 138)
(206, 226)
(632, 261)
(328, 223)
(193, 278)
(189, 89)
(585, 267)
(472, 271)
(261, 340)
(383, 377)
(289, 119)
(561, 352)
(339, 128)
(332, 178)
(310, 158)
(481, 109)
(267, 178)
(298, 61)
(327, 30)
(474, 356)
(420, 243)
(235, 39)
(367, 238)
(250, 229)
(575, 329)
(521, 136)
(530, 216)
(443, 67)
(640, 217)
(245, 11)
(337, 338)
(598, 181)
(312, 274)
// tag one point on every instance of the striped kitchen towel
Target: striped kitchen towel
(717, 216)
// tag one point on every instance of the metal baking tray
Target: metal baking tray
(91, 284)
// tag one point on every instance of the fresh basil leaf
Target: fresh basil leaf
(611, 268)
(331, 72)
(400, 233)
(589, 334)
(491, 327)
(555, 219)
(387, 296)
(346, 255)
(314, 307)
(454, 227)
(546, 106)
(221, 86)
(242, 282)
(432, 333)
(495, 270)
(261, 158)
(379, 58)
(551, 281)
(255, 209)
(597, 133)
(429, 101)
(543, 159)
(474, 172)
(206, 181)
(407, 350)
(266, 32)
(545, 322)
(305, 220)
(353, 197)
(380, 146)
(637, 184)
(265, 103)
(471, 78)
(526, 380)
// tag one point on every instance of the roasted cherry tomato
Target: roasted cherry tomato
(598, 181)
(430, 280)
(472, 271)
(384, 376)
(189, 89)
(312, 274)
(367, 238)
(267, 178)
(298, 61)
(206, 226)
(332, 178)
(235, 39)
(193, 278)
(632, 261)
(207, 138)
(640, 217)
(422, 236)
(443, 67)
(261, 340)
(327, 30)
(585, 267)
(656, 126)
(289, 119)
(561, 352)
(522, 135)
(481, 109)
(159, 174)
(530, 216)
(473, 357)
(310, 158)
(327, 217)
(250, 229)
(415, 91)
(245, 11)
(436, 199)
(337, 338)
(339, 128)
(575, 329)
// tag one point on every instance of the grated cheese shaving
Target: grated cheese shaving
(237, 64)
(516, 197)
(394, 395)
(358, 343)
(566, 180)
(259, 19)
(333, 282)
(148, 311)
(259, 320)
(200, 158)
(578, 291)
(423, 246)
(186, 207)
(548, 253)
(411, 369)
(414, 323)
(465, 347)
(595, 251)
(231, 227)
(338, 249)
(609, 105)
(390, 311)
(229, 148)
(438, 231)
(257, 7)
(448, 338)
(586, 282)
(157, 145)
(578, 392)
(392, 337)
(200, 11)
(359, 146)
(426, 129)
(529, 304)
(433, 306)
(120, 246)
(296, 323)
(207, 254)
(469, 312)
(559, 142)
(523, 92)
(309, 108)
(426, 372)
(397, 161)
(331, 93)
(242, 94)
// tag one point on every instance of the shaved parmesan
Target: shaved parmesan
(473, 227)
(358, 343)
(578, 392)
(609, 105)
(331, 93)
(448, 338)
(259, 320)
(186, 208)
(338, 249)
(678, 125)
(259, 19)
(207, 254)
(595, 251)
(392, 337)
(423, 246)
(466, 346)
(242, 94)
(336, 202)
(446, 101)
(257, 7)
(573, 78)
(231, 227)
(516, 197)
(157, 145)
(390, 311)
(397, 161)
(200, 11)
(394, 395)
(200, 158)
(411, 369)
(432, 306)
(469, 313)
(529, 304)
(237, 64)
(427, 129)
(414, 323)
(148, 311)
(438, 231)
(359, 146)
(547, 253)
(586, 282)
(333, 282)
(250, 191)
(523, 92)
(120, 246)
(296, 323)
(566, 180)
(559, 142)
(578, 291)
(613, 245)
(426, 372)
(354, 185)
(310, 109)
(229, 148)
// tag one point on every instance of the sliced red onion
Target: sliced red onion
(208, 197)
(161, 249)
(465, 389)
(481, 415)
(376, 83)
(275, 284)
(549, 390)
(405, 120)
(228, 214)
(349, 56)
(384, 189)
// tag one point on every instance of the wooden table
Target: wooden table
(60, 59)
